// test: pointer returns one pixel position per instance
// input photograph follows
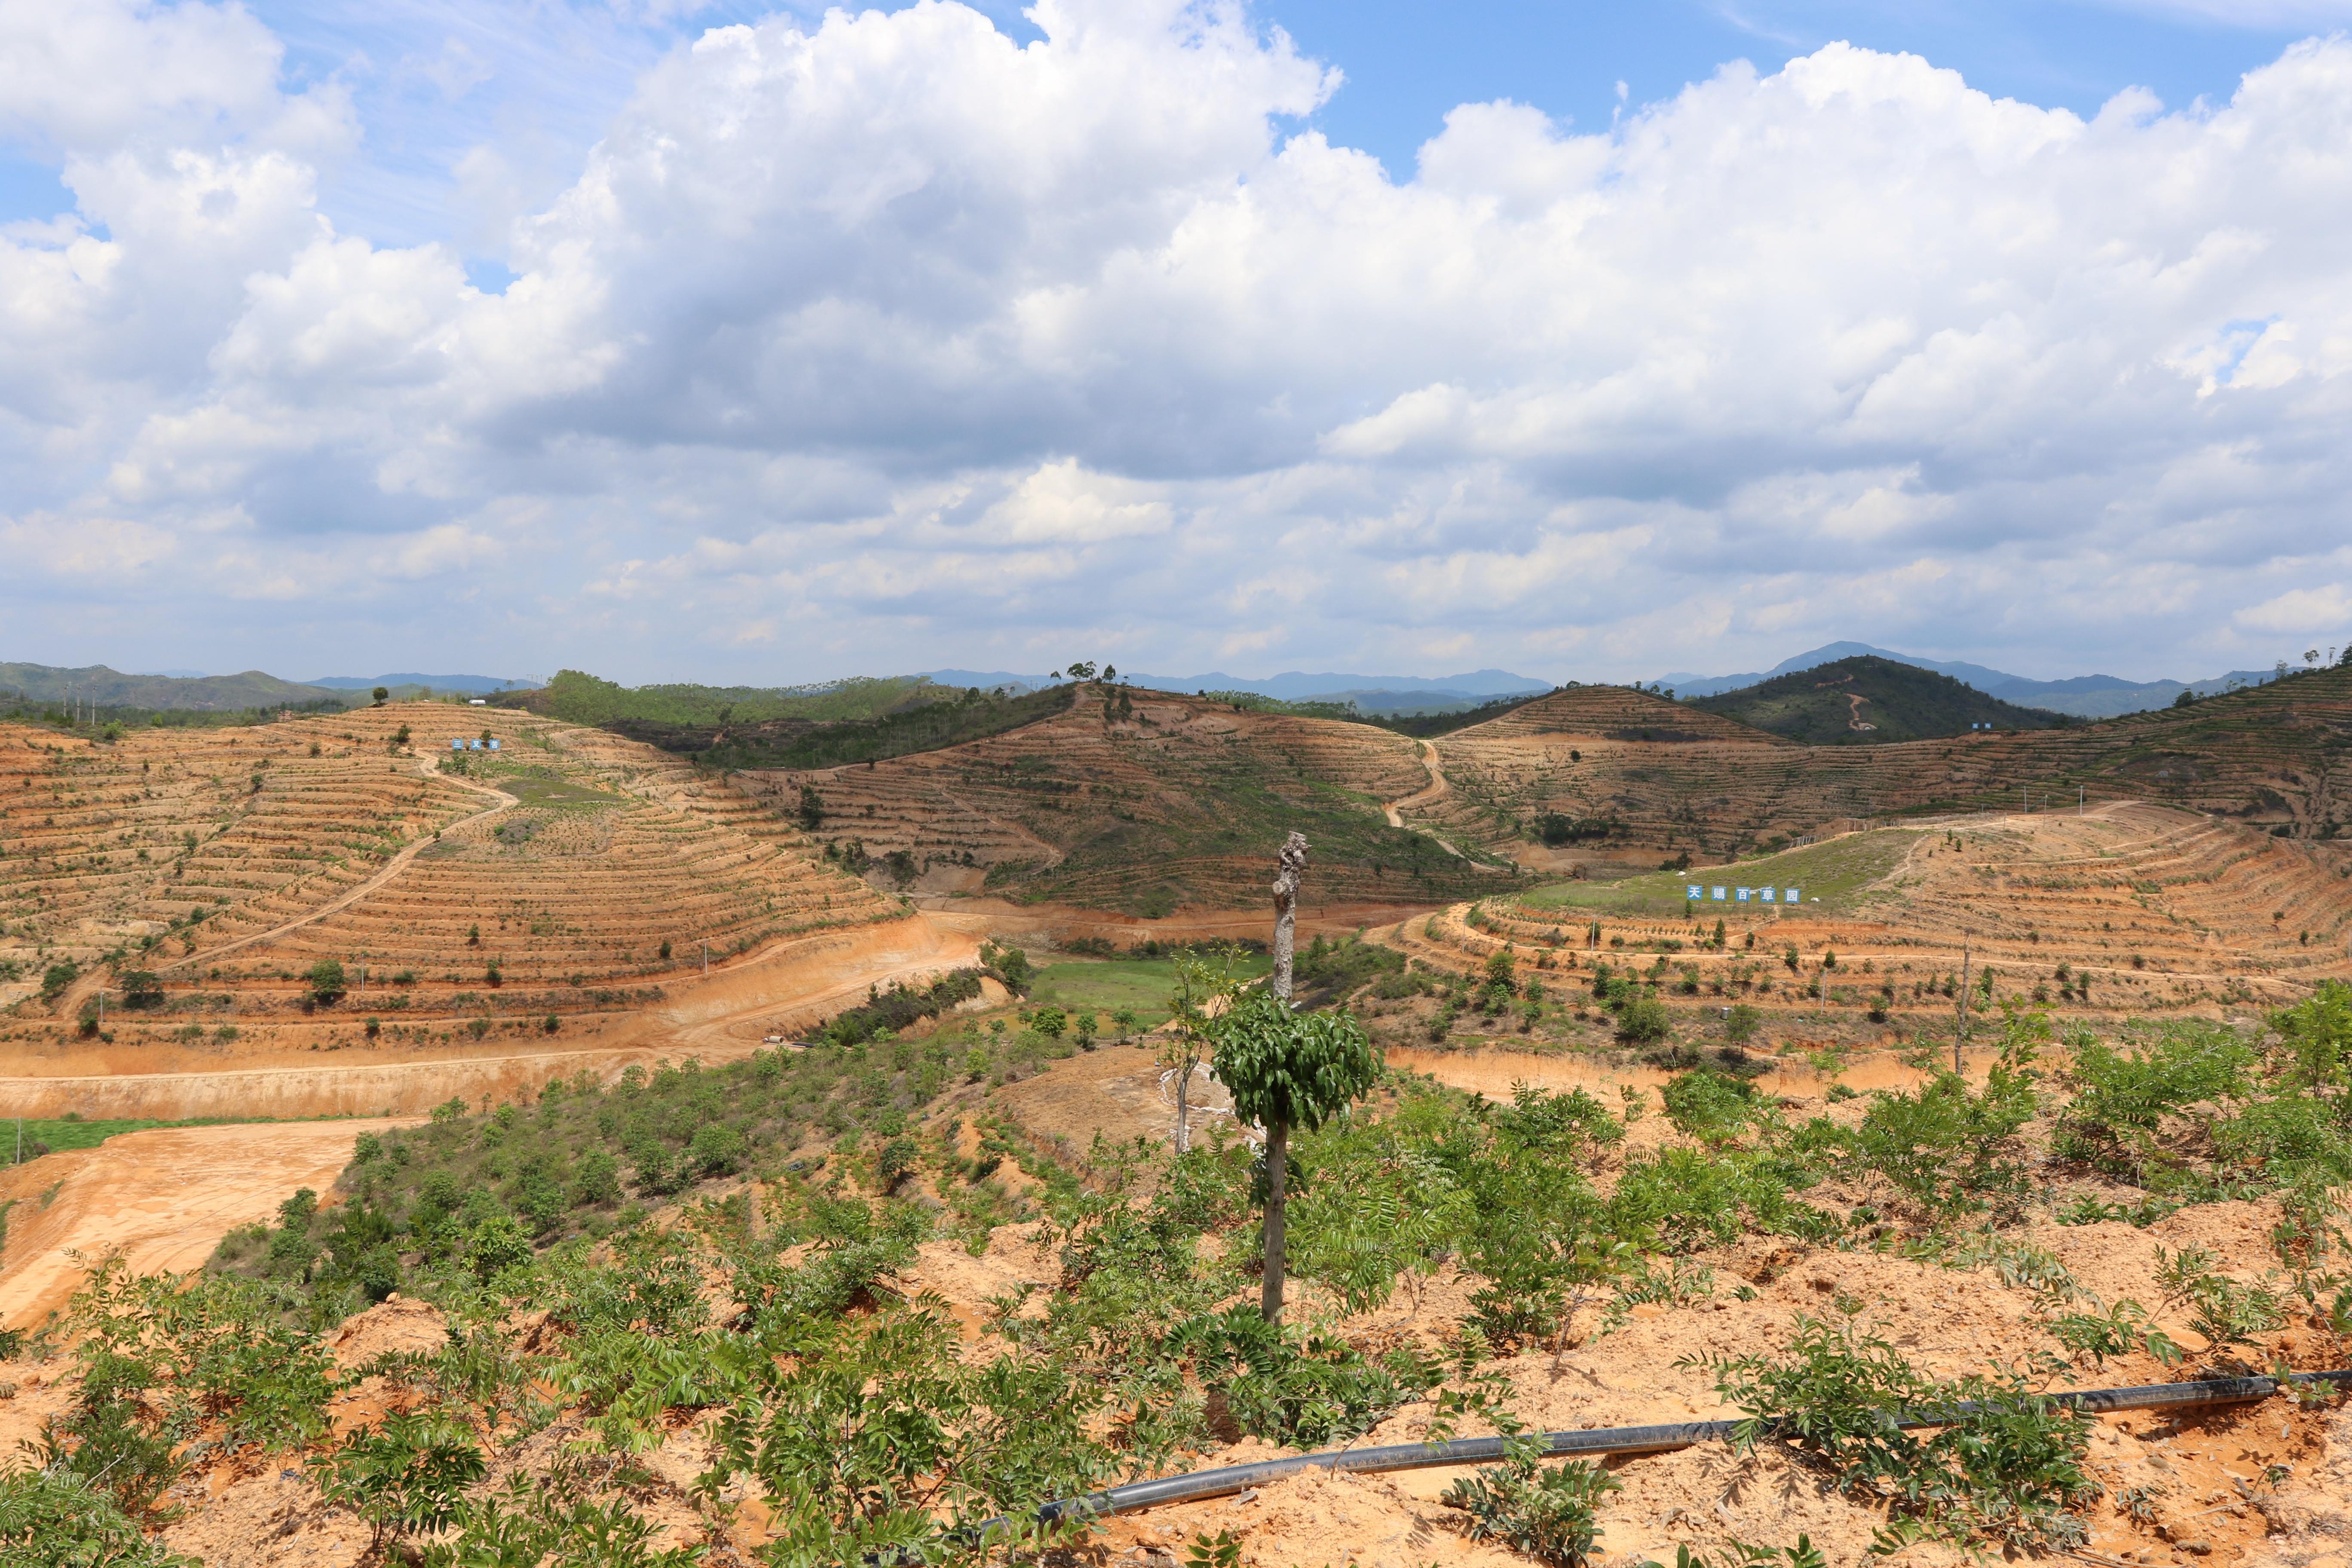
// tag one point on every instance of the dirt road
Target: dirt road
(392, 868)
(1437, 788)
(787, 986)
(84, 988)
(163, 1198)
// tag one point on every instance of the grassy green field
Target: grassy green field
(1834, 877)
(540, 790)
(1108, 984)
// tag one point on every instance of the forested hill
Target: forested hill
(1867, 700)
(105, 687)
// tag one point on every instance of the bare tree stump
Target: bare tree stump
(1290, 866)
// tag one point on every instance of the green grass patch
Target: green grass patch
(1107, 985)
(538, 789)
(1835, 877)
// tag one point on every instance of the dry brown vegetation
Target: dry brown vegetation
(1142, 802)
(2128, 911)
(574, 875)
(1669, 778)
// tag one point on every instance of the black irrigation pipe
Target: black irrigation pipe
(1596, 1442)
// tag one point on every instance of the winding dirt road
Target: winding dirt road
(1438, 789)
(88, 984)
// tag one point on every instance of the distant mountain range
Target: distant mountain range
(108, 687)
(1397, 694)
(2085, 695)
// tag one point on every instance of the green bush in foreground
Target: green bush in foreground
(2012, 1469)
(1546, 1513)
(58, 1520)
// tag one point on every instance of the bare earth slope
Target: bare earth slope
(163, 1199)
(1142, 802)
(1651, 778)
(2130, 909)
(573, 891)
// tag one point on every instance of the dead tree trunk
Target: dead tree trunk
(1289, 867)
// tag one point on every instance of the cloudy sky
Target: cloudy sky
(719, 341)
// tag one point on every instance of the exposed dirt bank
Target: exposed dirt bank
(163, 1198)
(791, 984)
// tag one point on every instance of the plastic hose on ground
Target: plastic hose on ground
(1599, 1441)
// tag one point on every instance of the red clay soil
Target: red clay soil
(163, 1198)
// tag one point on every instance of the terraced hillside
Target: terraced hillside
(2126, 910)
(1630, 779)
(571, 872)
(1139, 802)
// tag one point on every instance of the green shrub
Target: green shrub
(326, 978)
(1688, 1199)
(2008, 1471)
(407, 1475)
(2317, 1037)
(2122, 1100)
(1643, 1020)
(1710, 1105)
(2227, 1311)
(1546, 1513)
(716, 1149)
(55, 1519)
(1949, 1148)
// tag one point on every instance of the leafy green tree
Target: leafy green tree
(381, 695)
(1205, 985)
(1287, 1069)
(894, 1162)
(142, 988)
(327, 980)
(1643, 1021)
(1049, 1022)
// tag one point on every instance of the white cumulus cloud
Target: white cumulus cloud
(885, 337)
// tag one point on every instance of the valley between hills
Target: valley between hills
(876, 1051)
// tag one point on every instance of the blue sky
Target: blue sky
(716, 341)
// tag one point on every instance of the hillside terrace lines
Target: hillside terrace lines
(2213, 902)
(612, 851)
(1130, 796)
(631, 849)
(2128, 908)
(2270, 756)
(104, 845)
